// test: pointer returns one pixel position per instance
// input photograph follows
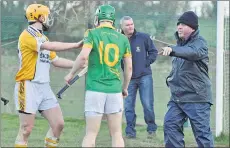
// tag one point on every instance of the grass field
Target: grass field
(75, 129)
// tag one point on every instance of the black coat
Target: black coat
(189, 80)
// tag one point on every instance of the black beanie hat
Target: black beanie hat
(189, 18)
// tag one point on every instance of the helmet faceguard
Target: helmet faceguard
(45, 23)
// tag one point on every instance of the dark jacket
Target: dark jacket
(144, 53)
(189, 80)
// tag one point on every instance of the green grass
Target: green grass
(222, 139)
(75, 129)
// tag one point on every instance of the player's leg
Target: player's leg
(94, 109)
(25, 101)
(115, 128)
(113, 109)
(51, 110)
(93, 123)
(25, 128)
(56, 122)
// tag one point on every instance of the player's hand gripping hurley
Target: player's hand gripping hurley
(80, 74)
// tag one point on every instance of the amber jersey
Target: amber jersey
(34, 63)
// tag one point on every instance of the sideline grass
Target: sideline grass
(75, 129)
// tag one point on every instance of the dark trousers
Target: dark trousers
(199, 116)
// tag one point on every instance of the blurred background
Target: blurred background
(70, 19)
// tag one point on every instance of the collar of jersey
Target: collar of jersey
(35, 29)
(108, 26)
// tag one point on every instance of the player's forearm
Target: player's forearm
(127, 76)
(60, 46)
(78, 64)
(63, 63)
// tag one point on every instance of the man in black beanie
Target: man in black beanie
(190, 86)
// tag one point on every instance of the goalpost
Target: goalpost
(220, 67)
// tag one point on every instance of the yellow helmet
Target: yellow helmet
(34, 11)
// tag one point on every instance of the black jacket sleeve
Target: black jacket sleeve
(193, 52)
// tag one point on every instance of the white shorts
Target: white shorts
(31, 97)
(103, 103)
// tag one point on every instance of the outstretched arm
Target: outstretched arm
(60, 46)
(63, 63)
(191, 53)
(195, 52)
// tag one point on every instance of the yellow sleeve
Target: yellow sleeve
(88, 42)
(28, 42)
(127, 53)
(128, 49)
(53, 55)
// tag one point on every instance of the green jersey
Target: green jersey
(104, 63)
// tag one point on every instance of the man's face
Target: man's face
(184, 31)
(45, 19)
(128, 27)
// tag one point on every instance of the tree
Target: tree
(206, 10)
(151, 17)
(165, 11)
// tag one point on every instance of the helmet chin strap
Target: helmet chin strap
(45, 27)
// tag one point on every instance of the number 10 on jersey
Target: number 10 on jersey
(104, 53)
